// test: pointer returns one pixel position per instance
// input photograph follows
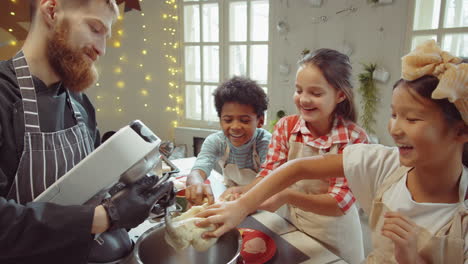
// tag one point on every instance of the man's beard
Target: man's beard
(76, 71)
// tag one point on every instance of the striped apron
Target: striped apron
(46, 156)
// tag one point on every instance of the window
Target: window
(222, 38)
(445, 21)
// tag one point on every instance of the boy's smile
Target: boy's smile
(239, 122)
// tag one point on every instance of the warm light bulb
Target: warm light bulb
(13, 43)
(168, 109)
(144, 92)
(117, 70)
(144, 40)
(148, 78)
(120, 32)
(146, 105)
(120, 17)
(164, 16)
(142, 14)
(118, 98)
(12, 13)
(144, 26)
(120, 84)
(120, 110)
(141, 65)
(10, 30)
(98, 97)
(144, 52)
(99, 109)
(98, 84)
(116, 44)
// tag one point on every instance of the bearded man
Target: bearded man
(47, 125)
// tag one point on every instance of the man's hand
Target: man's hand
(131, 206)
(404, 234)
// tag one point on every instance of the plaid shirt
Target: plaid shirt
(342, 134)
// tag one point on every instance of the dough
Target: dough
(184, 232)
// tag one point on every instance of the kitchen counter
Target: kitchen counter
(293, 246)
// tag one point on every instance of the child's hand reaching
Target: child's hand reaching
(404, 234)
(198, 193)
(232, 193)
(225, 215)
(275, 202)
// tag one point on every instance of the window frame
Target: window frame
(224, 44)
(440, 31)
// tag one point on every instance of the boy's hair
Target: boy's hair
(71, 3)
(243, 91)
(424, 87)
(336, 68)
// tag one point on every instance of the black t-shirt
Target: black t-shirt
(54, 114)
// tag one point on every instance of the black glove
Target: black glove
(131, 206)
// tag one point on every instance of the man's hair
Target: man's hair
(243, 91)
(70, 3)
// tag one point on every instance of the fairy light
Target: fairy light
(12, 13)
(120, 84)
(13, 43)
(171, 52)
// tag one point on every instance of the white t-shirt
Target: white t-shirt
(366, 167)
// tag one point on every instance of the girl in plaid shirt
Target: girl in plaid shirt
(324, 210)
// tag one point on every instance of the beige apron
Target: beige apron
(340, 234)
(446, 246)
(233, 176)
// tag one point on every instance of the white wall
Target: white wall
(361, 29)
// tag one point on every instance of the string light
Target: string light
(12, 13)
(13, 43)
(120, 84)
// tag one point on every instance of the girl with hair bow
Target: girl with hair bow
(415, 193)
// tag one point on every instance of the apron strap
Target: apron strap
(76, 112)
(225, 157)
(393, 178)
(28, 93)
(255, 157)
